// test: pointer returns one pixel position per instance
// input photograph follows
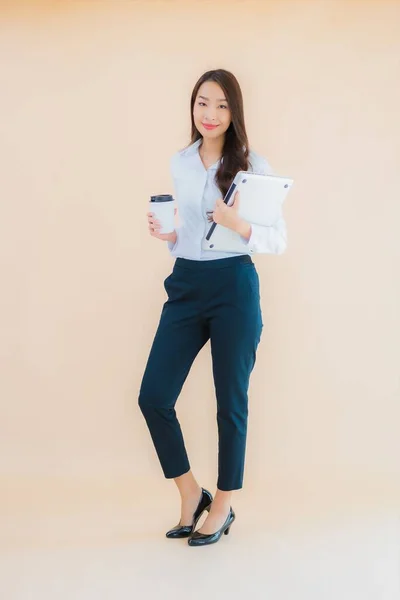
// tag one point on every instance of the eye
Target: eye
(201, 103)
(223, 106)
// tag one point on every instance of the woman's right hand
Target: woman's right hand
(155, 226)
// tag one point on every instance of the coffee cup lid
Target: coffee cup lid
(161, 198)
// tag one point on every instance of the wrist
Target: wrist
(243, 229)
(172, 237)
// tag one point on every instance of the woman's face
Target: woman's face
(211, 112)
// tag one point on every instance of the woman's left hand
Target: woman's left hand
(227, 216)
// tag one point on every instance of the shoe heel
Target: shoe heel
(208, 508)
(227, 530)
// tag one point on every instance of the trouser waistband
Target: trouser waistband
(218, 263)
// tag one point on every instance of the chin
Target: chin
(212, 134)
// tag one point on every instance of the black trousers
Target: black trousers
(216, 300)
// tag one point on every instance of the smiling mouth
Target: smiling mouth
(209, 126)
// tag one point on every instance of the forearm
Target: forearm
(243, 228)
(172, 239)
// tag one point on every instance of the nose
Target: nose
(210, 115)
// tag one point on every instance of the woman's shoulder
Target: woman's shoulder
(259, 164)
(179, 158)
(174, 161)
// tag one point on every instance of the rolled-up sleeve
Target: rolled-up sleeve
(271, 239)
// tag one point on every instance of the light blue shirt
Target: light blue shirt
(196, 193)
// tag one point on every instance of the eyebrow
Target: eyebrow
(219, 99)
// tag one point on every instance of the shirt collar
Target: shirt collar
(192, 152)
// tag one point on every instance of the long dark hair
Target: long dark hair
(236, 146)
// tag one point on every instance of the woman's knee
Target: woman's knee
(147, 400)
(152, 398)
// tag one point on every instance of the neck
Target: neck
(212, 147)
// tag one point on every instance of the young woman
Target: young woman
(211, 296)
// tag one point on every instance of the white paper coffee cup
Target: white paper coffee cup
(163, 208)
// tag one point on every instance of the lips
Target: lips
(209, 127)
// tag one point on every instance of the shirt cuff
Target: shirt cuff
(269, 239)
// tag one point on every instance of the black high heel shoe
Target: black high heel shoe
(183, 531)
(203, 539)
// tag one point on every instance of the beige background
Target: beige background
(94, 100)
